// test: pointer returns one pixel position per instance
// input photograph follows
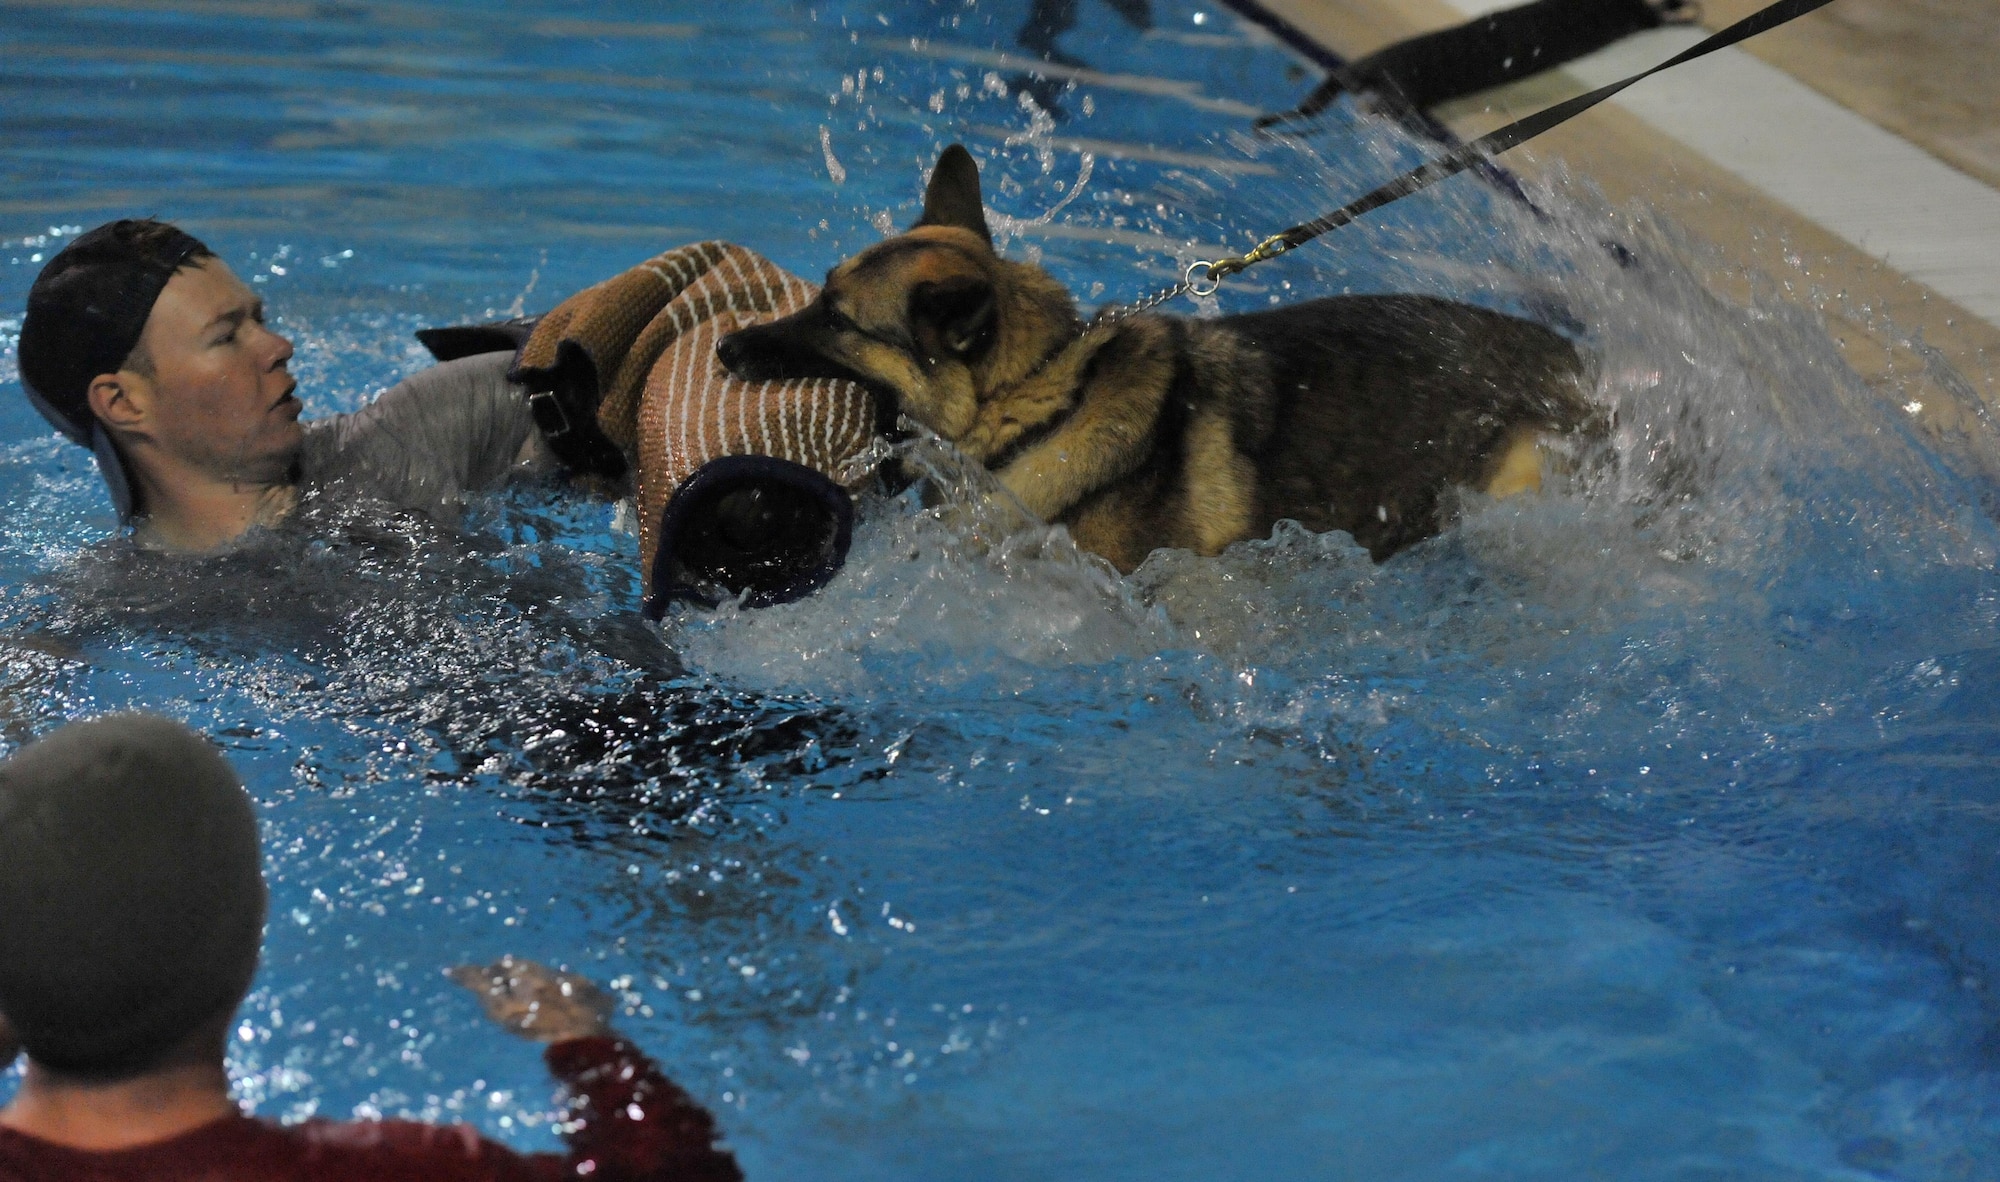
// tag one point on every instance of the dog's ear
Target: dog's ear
(957, 315)
(952, 199)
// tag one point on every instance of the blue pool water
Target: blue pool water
(1645, 829)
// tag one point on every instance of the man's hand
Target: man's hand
(535, 1001)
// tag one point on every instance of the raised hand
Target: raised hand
(535, 1001)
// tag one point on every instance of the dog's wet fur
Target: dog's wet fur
(1355, 412)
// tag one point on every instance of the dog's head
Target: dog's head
(933, 316)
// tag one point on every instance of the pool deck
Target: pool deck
(1855, 152)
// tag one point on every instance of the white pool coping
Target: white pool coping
(1882, 194)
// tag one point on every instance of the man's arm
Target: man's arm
(443, 431)
(628, 1119)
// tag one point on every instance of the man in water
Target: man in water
(142, 345)
(126, 959)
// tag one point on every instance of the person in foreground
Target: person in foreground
(132, 906)
(141, 345)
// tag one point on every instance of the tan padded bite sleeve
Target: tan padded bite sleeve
(692, 410)
(605, 320)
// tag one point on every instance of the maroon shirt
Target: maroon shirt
(628, 1123)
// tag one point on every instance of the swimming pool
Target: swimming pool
(1644, 830)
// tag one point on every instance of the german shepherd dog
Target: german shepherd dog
(1354, 413)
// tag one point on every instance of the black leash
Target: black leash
(1204, 278)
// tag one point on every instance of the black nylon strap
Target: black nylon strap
(1521, 130)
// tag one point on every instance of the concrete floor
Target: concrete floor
(1921, 70)
(1928, 70)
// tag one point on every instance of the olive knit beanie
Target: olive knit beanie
(131, 892)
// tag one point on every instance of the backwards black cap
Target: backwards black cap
(86, 311)
(131, 892)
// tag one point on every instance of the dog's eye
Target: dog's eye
(840, 322)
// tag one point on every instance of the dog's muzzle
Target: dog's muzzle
(779, 351)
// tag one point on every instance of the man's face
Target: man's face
(219, 395)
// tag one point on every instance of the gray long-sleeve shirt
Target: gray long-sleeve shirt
(454, 428)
